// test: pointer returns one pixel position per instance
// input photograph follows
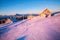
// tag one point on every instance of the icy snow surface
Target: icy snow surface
(32, 29)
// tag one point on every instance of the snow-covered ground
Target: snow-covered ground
(32, 29)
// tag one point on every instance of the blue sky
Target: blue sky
(28, 6)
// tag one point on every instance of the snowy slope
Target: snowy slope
(33, 29)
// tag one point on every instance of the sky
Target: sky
(27, 6)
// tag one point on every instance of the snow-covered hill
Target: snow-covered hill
(32, 29)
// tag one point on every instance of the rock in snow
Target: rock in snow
(32, 29)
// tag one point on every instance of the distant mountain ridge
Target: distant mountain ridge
(55, 13)
(16, 18)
